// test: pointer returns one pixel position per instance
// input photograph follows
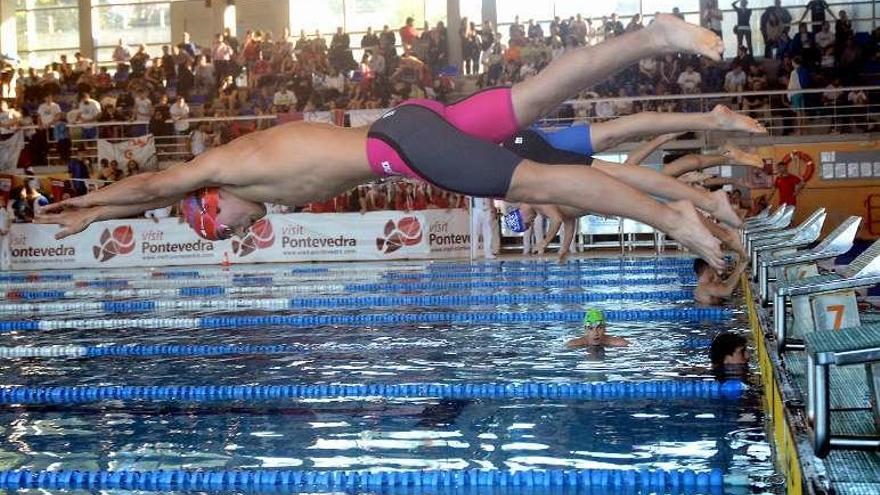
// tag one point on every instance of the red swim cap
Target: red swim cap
(200, 210)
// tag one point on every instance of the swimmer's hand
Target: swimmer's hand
(689, 230)
(68, 204)
(72, 221)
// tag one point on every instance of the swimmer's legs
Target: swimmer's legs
(692, 163)
(655, 183)
(586, 66)
(589, 189)
(730, 155)
(605, 135)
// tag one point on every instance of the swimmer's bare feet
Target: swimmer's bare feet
(677, 35)
(563, 257)
(728, 120)
(723, 210)
(738, 156)
(688, 229)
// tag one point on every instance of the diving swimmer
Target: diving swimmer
(454, 147)
(561, 146)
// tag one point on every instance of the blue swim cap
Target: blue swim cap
(514, 221)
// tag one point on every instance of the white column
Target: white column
(453, 23)
(86, 38)
(8, 34)
(490, 12)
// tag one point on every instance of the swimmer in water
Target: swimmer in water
(454, 147)
(729, 354)
(594, 333)
(713, 289)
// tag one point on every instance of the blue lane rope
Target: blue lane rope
(697, 343)
(252, 281)
(145, 350)
(677, 389)
(349, 302)
(115, 280)
(276, 481)
(260, 291)
(494, 284)
(243, 281)
(203, 291)
(672, 314)
(537, 265)
(584, 262)
(530, 274)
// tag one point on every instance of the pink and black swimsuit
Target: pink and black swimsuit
(455, 147)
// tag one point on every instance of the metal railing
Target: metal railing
(777, 117)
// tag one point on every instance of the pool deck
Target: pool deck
(842, 472)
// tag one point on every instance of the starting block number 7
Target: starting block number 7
(835, 311)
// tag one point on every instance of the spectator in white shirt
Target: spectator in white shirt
(824, 38)
(82, 63)
(48, 112)
(283, 100)
(735, 80)
(89, 110)
(690, 80)
(377, 64)
(485, 225)
(221, 55)
(10, 120)
(143, 107)
(121, 54)
(179, 113)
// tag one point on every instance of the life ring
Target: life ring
(806, 161)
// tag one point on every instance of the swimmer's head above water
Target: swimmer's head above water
(216, 214)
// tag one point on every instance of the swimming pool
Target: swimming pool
(466, 333)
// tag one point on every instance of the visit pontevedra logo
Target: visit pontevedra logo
(259, 236)
(118, 242)
(405, 232)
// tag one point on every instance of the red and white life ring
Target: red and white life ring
(807, 165)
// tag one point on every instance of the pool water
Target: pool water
(373, 433)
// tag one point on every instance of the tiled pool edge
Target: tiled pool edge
(793, 453)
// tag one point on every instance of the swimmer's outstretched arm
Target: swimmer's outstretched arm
(583, 67)
(727, 237)
(567, 238)
(228, 165)
(638, 155)
(75, 220)
(692, 163)
(552, 212)
(167, 186)
(652, 182)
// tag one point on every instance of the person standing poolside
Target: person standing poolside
(454, 147)
(6, 216)
(595, 333)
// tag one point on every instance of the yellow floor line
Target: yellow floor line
(787, 459)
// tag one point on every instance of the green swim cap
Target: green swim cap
(593, 318)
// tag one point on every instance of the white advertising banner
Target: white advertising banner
(277, 238)
(142, 150)
(10, 150)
